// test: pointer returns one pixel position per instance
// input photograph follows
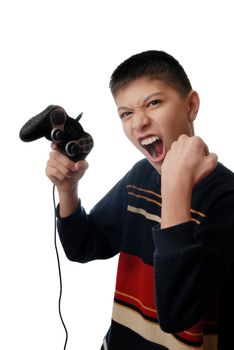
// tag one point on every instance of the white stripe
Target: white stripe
(105, 344)
(149, 330)
(143, 212)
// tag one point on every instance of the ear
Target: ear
(193, 105)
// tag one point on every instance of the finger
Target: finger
(81, 165)
(64, 160)
(211, 161)
(206, 149)
(58, 168)
(54, 174)
(54, 146)
(213, 158)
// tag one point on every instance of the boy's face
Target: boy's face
(154, 115)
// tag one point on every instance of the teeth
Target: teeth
(149, 140)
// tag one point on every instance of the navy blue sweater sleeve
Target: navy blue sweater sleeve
(191, 263)
(96, 235)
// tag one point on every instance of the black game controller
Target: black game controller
(54, 124)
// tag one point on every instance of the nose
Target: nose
(140, 120)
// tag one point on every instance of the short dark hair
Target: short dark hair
(154, 65)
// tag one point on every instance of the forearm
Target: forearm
(96, 235)
(191, 262)
(69, 201)
(176, 204)
(184, 277)
(87, 237)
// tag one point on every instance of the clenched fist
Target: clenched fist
(186, 163)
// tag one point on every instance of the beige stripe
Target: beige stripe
(150, 216)
(144, 190)
(157, 195)
(198, 213)
(197, 221)
(144, 197)
(149, 330)
(143, 212)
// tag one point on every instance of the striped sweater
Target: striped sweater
(174, 286)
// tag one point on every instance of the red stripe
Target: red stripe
(135, 286)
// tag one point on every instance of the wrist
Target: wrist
(69, 201)
(68, 191)
(180, 182)
(176, 205)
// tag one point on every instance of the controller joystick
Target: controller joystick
(55, 125)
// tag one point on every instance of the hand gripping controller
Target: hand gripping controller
(54, 124)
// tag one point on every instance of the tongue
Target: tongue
(159, 147)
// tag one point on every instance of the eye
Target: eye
(124, 115)
(154, 103)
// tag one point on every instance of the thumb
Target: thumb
(207, 166)
(211, 161)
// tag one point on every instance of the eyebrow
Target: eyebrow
(145, 99)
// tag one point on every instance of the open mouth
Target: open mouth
(154, 147)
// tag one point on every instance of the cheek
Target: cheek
(173, 125)
(127, 130)
(128, 133)
(124, 127)
(175, 121)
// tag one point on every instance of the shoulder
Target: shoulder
(222, 171)
(214, 195)
(221, 178)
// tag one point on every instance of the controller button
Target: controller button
(58, 117)
(57, 135)
(72, 149)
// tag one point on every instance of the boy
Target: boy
(170, 218)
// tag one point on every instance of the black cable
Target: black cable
(59, 270)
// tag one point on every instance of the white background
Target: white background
(63, 52)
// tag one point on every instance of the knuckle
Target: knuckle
(197, 140)
(173, 145)
(198, 144)
(182, 137)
